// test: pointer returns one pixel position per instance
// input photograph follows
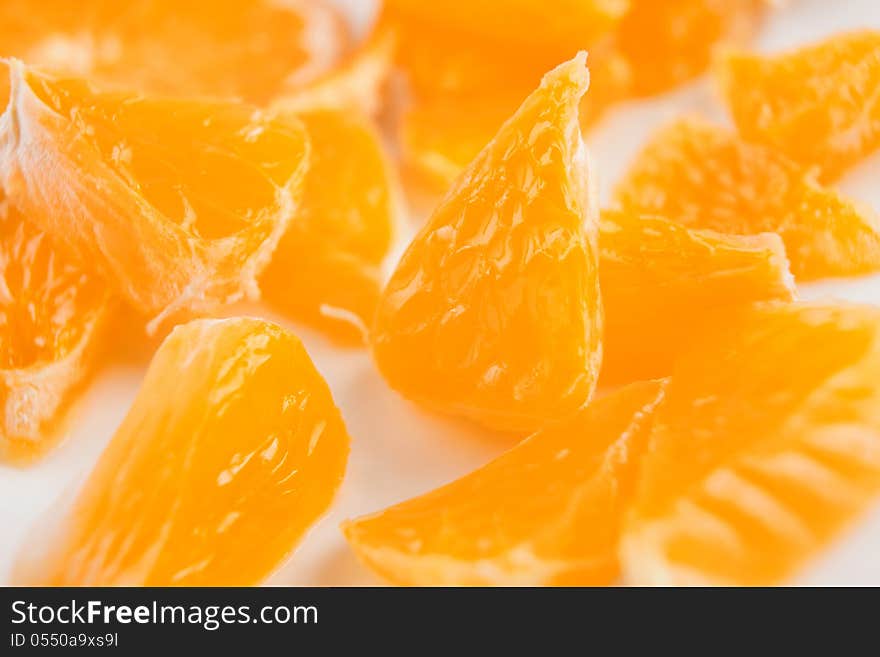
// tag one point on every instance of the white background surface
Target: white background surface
(399, 450)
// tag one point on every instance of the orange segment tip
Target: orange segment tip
(494, 311)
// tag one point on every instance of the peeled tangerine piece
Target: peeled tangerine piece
(766, 449)
(494, 311)
(231, 451)
(248, 49)
(661, 282)
(178, 203)
(704, 176)
(547, 512)
(820, 104)
(325, 270)
(51, 317)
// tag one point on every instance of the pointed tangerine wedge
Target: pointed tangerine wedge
(245, 49)
(494, 311)
(662, 281)
(51, 318)
(177, 203)
(547, 512)
(325, 270)
(230, 452)
(766, 448)
(820, 105)
(706, 177)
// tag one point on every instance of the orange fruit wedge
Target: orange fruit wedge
(706, 177)
(817, 104)
(766, 448)
(325, 269)
(51, 318)
(662, 281)
(547, 512)
(494, 311)
(246, 49)
(231, 451)
(668, 43)
(178, 203)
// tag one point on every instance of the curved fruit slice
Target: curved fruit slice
(766, 448)
(668, 43)
(661, 281)
(570, 25)
(706, 177)
(178, 203)
(325, 270)
(238, 48)
(51, 316)
(820, 105)
(547, 512)
(494, 310)
(230, 452)
(357, 84)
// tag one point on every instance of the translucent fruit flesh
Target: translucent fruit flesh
(661, 282)
(51, 316)
(547, 512)
(820, 105)
(177, 203)
(325, 269)
(230, 452)
(766, 448)
(494, 312)
(244, 49)
(706, 177)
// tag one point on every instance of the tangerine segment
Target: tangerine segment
(51, 316)
(820, 105)
(494, 310)
(766, 448)
(325, 270)
(178, 203)
(667, 43)
(661, 281)
(237, 48)
(706, 177)
(547, 512)
(230, 452)
(567, 26)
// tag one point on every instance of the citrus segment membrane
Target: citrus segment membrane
(704, 176)
(230, 452)
(662, 281)
(547, 512)
(766, 449)
(494, 311)
(177, 203)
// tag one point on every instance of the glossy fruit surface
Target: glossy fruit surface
(662, 281)
(494, 312)
(704, 176)
(230, 452)
(177, 203)
(766, 448)
(820, 104)
(51, 318)
(547, 512)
